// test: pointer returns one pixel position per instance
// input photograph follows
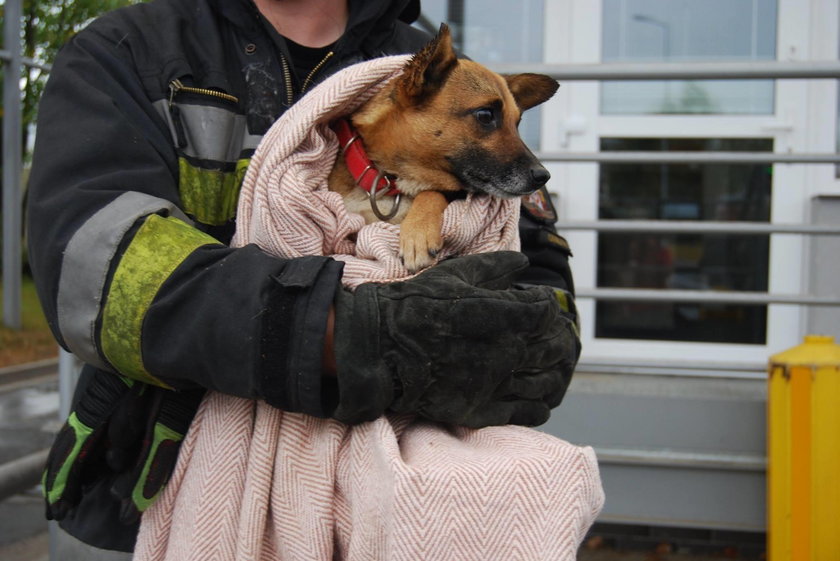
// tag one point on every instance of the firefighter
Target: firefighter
(145, 130)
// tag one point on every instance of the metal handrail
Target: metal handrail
(6, 56)
(711, 157)
(690, 71)
(761, 70)
(698, 227)
(693, 369)
(652, 71)
(702, 296)
(728, 461)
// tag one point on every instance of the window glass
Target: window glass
(729, 262)
(491, 30)
(495, 31)
(688, 31)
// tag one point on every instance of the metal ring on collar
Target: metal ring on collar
(374, 189)
(346, 146)
(358, 179)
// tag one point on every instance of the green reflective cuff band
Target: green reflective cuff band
(562, 298)
(158, 247)
(162, 434)
(125, 380)
(82, 433)
(210, 195)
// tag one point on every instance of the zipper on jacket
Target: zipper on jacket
(287, 77)
(314, 70)
(175, 87)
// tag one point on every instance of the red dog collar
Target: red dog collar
(364, 171)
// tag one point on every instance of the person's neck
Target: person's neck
(311, 23)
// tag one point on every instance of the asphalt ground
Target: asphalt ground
(28, 422)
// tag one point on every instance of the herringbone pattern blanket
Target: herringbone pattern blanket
(256, 483)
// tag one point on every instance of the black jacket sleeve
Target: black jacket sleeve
(126, 281)
(547, 251)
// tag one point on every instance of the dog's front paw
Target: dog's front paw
(419, 246)
(420, 231)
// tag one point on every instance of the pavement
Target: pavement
(28, 422)
(24, 534)
(28, 418)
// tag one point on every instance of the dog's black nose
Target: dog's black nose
(540, 176)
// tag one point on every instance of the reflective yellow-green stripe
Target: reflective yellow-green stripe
(161, 433)
(210, 195)
(158, 247)
(562, 298)
(81, 432)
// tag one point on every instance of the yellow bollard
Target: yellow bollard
(803, 451)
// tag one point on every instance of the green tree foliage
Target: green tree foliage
(46, 26)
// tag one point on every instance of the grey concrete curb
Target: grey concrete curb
(18, 372)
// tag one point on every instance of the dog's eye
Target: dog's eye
(485, 116)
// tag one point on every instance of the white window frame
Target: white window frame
(806, 30)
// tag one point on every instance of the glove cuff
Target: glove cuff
(365, 383)
(293, 326)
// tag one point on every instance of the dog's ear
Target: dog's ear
(427, 70)
(530, 90)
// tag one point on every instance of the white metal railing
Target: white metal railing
(12, 59)
(691, 71)
(6, 55)
(679, 70)
(703, 296)
(698, 227)
(630, 157)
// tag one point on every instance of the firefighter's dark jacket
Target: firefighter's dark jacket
(145, 130)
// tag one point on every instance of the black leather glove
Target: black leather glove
(455, 344)
(123, 427)
(144, 470)
(79, 448)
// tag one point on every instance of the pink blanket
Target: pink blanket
(256, 483)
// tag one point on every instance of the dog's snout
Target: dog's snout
(539, 176)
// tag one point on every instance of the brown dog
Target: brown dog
(442, 126)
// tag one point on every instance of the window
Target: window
(491, 31)
(730, 262)
(688, 30)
